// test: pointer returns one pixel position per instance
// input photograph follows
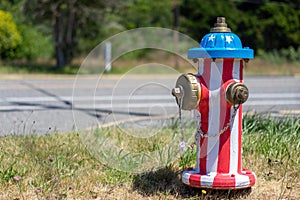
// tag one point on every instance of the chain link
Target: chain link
(202, 134)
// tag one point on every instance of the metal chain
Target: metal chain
(202, 134)
(180, 119)
(183, 146)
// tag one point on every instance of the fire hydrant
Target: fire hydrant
(217, 94)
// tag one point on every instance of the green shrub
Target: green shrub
(10, 37)
(279, 56)
(35, 44)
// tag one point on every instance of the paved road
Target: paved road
(50, 104)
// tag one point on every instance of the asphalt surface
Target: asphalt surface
(60, 104)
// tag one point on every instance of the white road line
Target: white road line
(274, 95)
(87, 98)
(272, 102)
(134, 97)
(92, 106)
(138, 105)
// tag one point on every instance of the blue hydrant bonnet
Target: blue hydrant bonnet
(221, 43)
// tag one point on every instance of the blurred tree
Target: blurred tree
(69, 19)
(77, 25)
(268, 25)
(280, 25)
(10, 37)
(261, 24)
(35, 43)
(199, 16)
(144, 13)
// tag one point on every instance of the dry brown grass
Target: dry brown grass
(263, 67)
(256, 66)
(58, 166)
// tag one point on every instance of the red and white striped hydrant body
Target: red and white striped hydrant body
(219, 94)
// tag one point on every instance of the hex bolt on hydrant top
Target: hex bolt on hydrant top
(217, 93)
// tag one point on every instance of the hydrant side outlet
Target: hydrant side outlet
(187, 91)
(219, 134)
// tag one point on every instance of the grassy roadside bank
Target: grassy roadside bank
(58, 166)
(256, 66)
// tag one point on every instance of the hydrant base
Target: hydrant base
(214, 180)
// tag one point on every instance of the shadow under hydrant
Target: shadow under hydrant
(168, 181)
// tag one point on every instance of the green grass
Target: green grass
(136, 150)
(58, 166)
(272, 148)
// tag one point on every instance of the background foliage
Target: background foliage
(10, 37)
(66, 29)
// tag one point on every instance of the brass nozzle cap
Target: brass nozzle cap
(237, 93)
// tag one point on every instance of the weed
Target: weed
(8, 173)
(188, 159)
(18, 178)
